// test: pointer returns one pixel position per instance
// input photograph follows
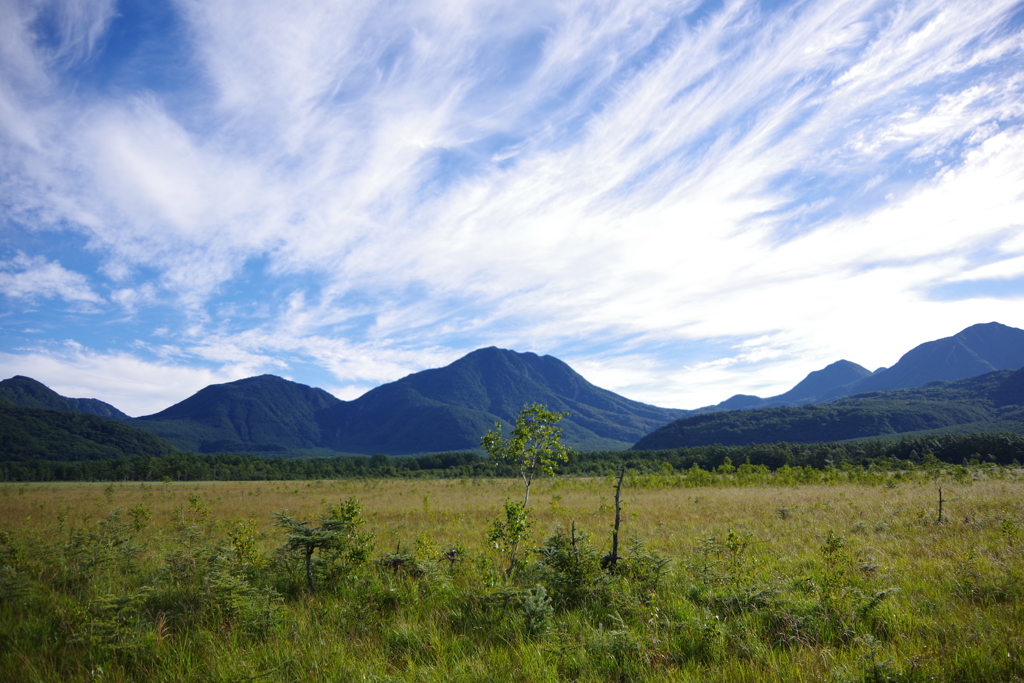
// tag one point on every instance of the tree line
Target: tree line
(1006, 449)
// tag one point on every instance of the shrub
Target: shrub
(339, 539)
(570, 567)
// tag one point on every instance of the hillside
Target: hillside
(28, 393)
(450, 408)
(265, 413)
(435, 410)
(973, 351)
(39, 434)
(986, 403)
(976, 350)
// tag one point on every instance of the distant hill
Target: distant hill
(987, 403)
(822, 382)
(40, 434)
(973, 351)
(443, 409)
(28, 393)
(450, 408)
(811, 389)
(265, 413)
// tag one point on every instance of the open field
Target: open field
(186, 581)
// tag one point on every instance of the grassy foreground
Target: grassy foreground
(194, 582)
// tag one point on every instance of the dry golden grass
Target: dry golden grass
(670, 520)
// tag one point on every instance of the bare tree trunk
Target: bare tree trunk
(613, 557)
(309, 568)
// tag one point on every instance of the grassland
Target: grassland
(191, 582)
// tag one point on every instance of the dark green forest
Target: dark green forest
(35, 434)
(907, 453)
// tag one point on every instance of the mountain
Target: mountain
(809, 390)
(822, 382)
(42, 434)
(450, 408)
(986, 403)
(442, 409)
(973, 351)
(28, 393)
(265, 413)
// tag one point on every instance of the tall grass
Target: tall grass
(812, 582)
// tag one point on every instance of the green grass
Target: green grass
(840, 582)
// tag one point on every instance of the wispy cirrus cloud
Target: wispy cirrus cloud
(378, 187)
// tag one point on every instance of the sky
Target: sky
(683, 200)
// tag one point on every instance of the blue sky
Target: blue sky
(683, 200)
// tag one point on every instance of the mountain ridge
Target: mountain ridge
(265, 410)
(450, 408)
(975, 350)
(29, 393)
(489, 385)
(984, 403)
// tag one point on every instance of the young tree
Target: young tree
(533, 447)
(338, 533)
(506, 536)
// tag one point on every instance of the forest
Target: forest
(906, 453)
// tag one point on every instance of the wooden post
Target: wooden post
(940, 506)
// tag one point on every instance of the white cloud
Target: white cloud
(132, 385)
(80, 25)
(26, 277)
(132, 298)
(433, 174)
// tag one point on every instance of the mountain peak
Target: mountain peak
(820, 382)
(29, 393)
(450, 408)
(265, 409)
(975, 350)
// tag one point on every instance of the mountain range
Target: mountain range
(28, 393)
(975, 350)
(434, 410)
(442, 409)
(993, 402)
(450, 408)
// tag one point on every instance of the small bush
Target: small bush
(537, 610)
(570, 568)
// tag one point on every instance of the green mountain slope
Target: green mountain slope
(39, 434)
(973, 351)
(264, 413)
(821, 382)
(437, 410)
(28, 393)
(450, 408)
(989, 402)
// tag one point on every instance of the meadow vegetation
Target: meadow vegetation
(740, 574)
